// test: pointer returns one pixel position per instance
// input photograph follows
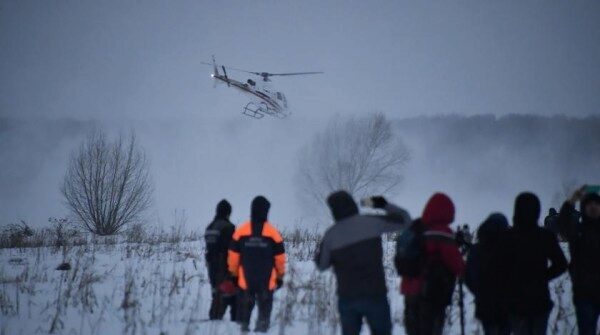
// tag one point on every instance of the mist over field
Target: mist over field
(482, 162)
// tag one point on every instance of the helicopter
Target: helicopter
(266, 102)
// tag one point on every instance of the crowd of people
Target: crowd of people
(508, 269)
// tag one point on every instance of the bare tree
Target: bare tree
(360, 155)
(107, 185)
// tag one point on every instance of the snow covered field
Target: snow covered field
(162, 288)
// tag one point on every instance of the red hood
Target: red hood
(438, 211)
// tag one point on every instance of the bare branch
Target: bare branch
(360, 155)
(107, 185)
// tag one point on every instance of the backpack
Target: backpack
(410, 260)
(410, 243)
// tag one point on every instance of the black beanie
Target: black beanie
(342, 205)
(527, 210)
(223, 210)
(259, 210)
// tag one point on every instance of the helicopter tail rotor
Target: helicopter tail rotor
(215, 68)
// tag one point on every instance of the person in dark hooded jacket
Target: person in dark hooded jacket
(352, 246)
(427, 294)
(584, 244)
(529, 250)
(257, 260)
(485, 268)
(217, 237)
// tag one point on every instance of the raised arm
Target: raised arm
(395, 218)
(567, 226)
(396, 214)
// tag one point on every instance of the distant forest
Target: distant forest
(554, 152)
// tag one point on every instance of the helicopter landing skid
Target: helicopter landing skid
(254, 110)
(259, 110)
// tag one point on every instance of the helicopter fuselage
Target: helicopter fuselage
(265, 102)
(274, 101)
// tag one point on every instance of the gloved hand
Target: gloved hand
(279, 282)
(379, 201)
(227, 288)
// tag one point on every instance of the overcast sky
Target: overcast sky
(141, 59)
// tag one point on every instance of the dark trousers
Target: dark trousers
(422, 317)
(375, 310)
(587, 313)
(529, 324)
(264, 300)
(219, 305)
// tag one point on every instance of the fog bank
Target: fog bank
(482, 162)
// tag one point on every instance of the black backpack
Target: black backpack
(410, 244)
(410, 261)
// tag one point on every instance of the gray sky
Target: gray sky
(141, 59)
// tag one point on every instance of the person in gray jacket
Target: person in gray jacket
(353, 247)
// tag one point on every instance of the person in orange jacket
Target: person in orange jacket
(256, 258)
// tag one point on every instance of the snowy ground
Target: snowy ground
(162, 288)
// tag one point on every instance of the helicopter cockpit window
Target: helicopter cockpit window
(279, 96)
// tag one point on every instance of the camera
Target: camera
(366, 202)
(464, 238)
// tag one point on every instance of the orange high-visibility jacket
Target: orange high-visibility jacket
(258, 259)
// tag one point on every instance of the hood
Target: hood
(527, 210)
(439, 210)
(492, 228)
(223, 210)
(590, 197)
(342, 205)
(259, 212)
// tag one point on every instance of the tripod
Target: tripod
(464, 239)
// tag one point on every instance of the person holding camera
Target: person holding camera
(584, 244)
(529, 249)
(352, 246)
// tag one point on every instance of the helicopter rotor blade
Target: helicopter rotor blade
(294, 73)
(266, 75)
(246, 71)
(233, 68)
